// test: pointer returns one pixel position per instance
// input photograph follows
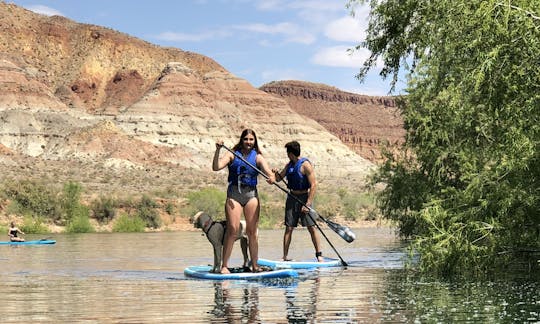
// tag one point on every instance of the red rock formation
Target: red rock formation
(88, 65)
(97, 101)
(363, 123)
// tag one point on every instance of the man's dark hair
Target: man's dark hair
(293, 147)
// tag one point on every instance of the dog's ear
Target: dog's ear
(194, 218)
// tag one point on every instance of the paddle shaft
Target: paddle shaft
(293, 196)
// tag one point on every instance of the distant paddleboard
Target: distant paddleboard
(28, 242)
(203, 272)
(300, 264)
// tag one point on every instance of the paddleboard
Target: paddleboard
(28, 242)
(203, 272)
(328, 262)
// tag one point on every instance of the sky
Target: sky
(257, 40)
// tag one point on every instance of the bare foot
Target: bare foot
(286, 259)
(225, 270)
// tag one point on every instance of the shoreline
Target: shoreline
(182, 224)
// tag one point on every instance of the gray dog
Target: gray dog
(215, 232)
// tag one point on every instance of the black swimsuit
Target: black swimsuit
(13, 232)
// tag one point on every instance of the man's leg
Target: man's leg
(316, 242)
(287, 242)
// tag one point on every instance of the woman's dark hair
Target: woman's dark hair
(245, 132)
(293, 147)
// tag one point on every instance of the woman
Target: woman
(13, 233)
(242, 193)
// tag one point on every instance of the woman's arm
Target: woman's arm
(219, 163)
(280, 175)
(261, 163)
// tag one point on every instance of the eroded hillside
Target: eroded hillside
(363, 123)
(90, 104)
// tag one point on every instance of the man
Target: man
(302, 185)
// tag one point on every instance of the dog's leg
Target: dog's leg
(244, 246)
(218, 257)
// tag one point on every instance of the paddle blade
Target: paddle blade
(342, 231)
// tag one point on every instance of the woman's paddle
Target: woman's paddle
(343, 231)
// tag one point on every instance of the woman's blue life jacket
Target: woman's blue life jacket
(295, 179)
(240, 173)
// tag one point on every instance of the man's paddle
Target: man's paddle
(343, 231)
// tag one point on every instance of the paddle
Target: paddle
(343, 231)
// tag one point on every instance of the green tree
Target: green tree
(147, 211)
(35, 198)
(77, 216)
(129, 224)
(71, 200)
(79, 221)
(104, 209)
(465, 187)
(210, 200)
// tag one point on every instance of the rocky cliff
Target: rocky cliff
(363, 123)
(86, 103)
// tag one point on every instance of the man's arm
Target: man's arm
(307, 170)
(280, 175)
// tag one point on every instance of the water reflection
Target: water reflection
(232, 306)
(286, 301)
(412, 298)
(138, 278)
(299, 311)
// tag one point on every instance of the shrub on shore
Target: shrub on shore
(128, 224)
(43, 204)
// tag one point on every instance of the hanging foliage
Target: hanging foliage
(466, 186)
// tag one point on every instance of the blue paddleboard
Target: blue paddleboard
(300, 264)
(203, 272)
(28, 242)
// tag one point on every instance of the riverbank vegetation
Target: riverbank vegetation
(465, 186)
(40, 206)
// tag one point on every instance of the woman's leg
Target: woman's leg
(233, 212)
(251, 213)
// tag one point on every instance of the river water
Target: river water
(138, 278)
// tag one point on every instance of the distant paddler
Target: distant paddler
(14, 232)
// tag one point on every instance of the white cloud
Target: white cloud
(302, 5)
(346, 29)
(314, 13)
(195, 37)
(44, 10)
(269, 4)
(339, 56)
(368, 90)
(292, 32)
(317, 5)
